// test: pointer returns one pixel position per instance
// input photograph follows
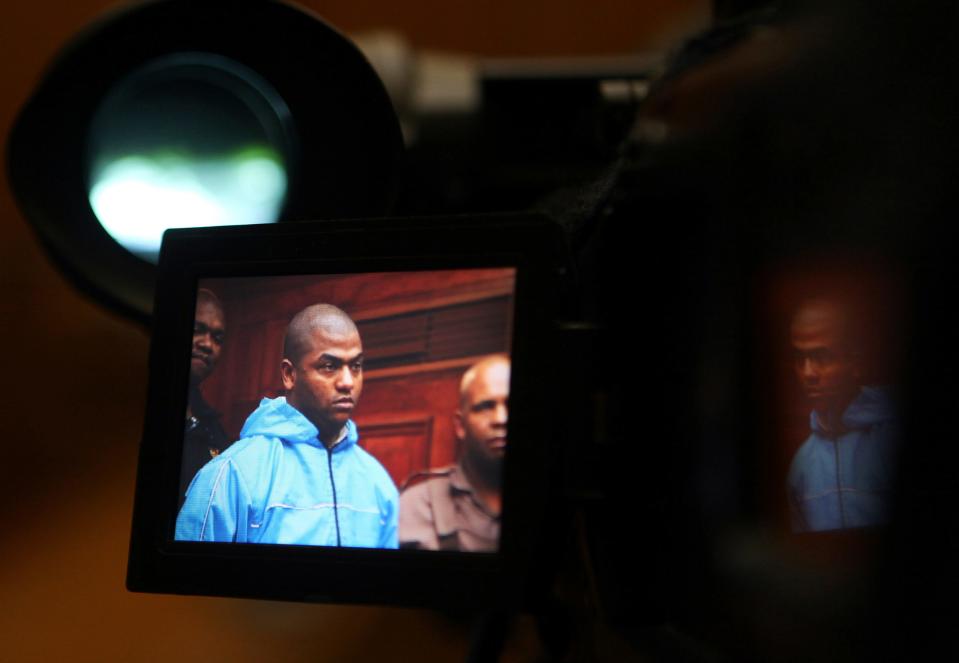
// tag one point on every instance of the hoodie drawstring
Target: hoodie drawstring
(336, 508)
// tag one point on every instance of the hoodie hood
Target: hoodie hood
(872, 406)
(277, 418)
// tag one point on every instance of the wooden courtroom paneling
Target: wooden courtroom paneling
(420, 332)
(402, 443)
(433, 391)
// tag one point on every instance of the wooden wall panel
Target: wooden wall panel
(402, 443)
(435, 391)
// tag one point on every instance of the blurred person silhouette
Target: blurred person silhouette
(841, 475)
(204, 437)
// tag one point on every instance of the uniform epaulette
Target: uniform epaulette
(425, 475)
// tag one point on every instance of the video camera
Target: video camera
(652, 242)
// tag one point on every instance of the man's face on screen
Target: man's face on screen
(483, 416)
(326, 382)
(823, 362)
(208, 333)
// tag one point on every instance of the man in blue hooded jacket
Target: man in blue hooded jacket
(841, 476)
(297, 474)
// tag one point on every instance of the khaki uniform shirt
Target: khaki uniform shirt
(443, 513)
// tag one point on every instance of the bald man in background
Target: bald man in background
(297, 474)
(841, 476)
(459, 507)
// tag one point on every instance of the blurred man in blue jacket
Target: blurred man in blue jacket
(841, 476)
(297, 474)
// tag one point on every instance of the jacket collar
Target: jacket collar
(277, 418)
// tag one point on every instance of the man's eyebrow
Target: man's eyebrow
(809, 350)
(328, 357)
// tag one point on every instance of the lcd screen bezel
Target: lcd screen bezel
(158, 563)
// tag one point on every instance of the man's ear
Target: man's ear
(288, 373)
(459, 428)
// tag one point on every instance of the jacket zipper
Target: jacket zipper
(842, 507)
(336, 508)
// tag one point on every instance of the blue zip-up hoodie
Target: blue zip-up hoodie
(280, 484)
(842, 481)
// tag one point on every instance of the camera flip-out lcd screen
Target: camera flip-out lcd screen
(365, 410)
(349, 412)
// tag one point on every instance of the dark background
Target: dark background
(75, 379)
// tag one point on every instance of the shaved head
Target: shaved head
(479, 368)
(815, 314)
(481, 420)
(325, 319)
